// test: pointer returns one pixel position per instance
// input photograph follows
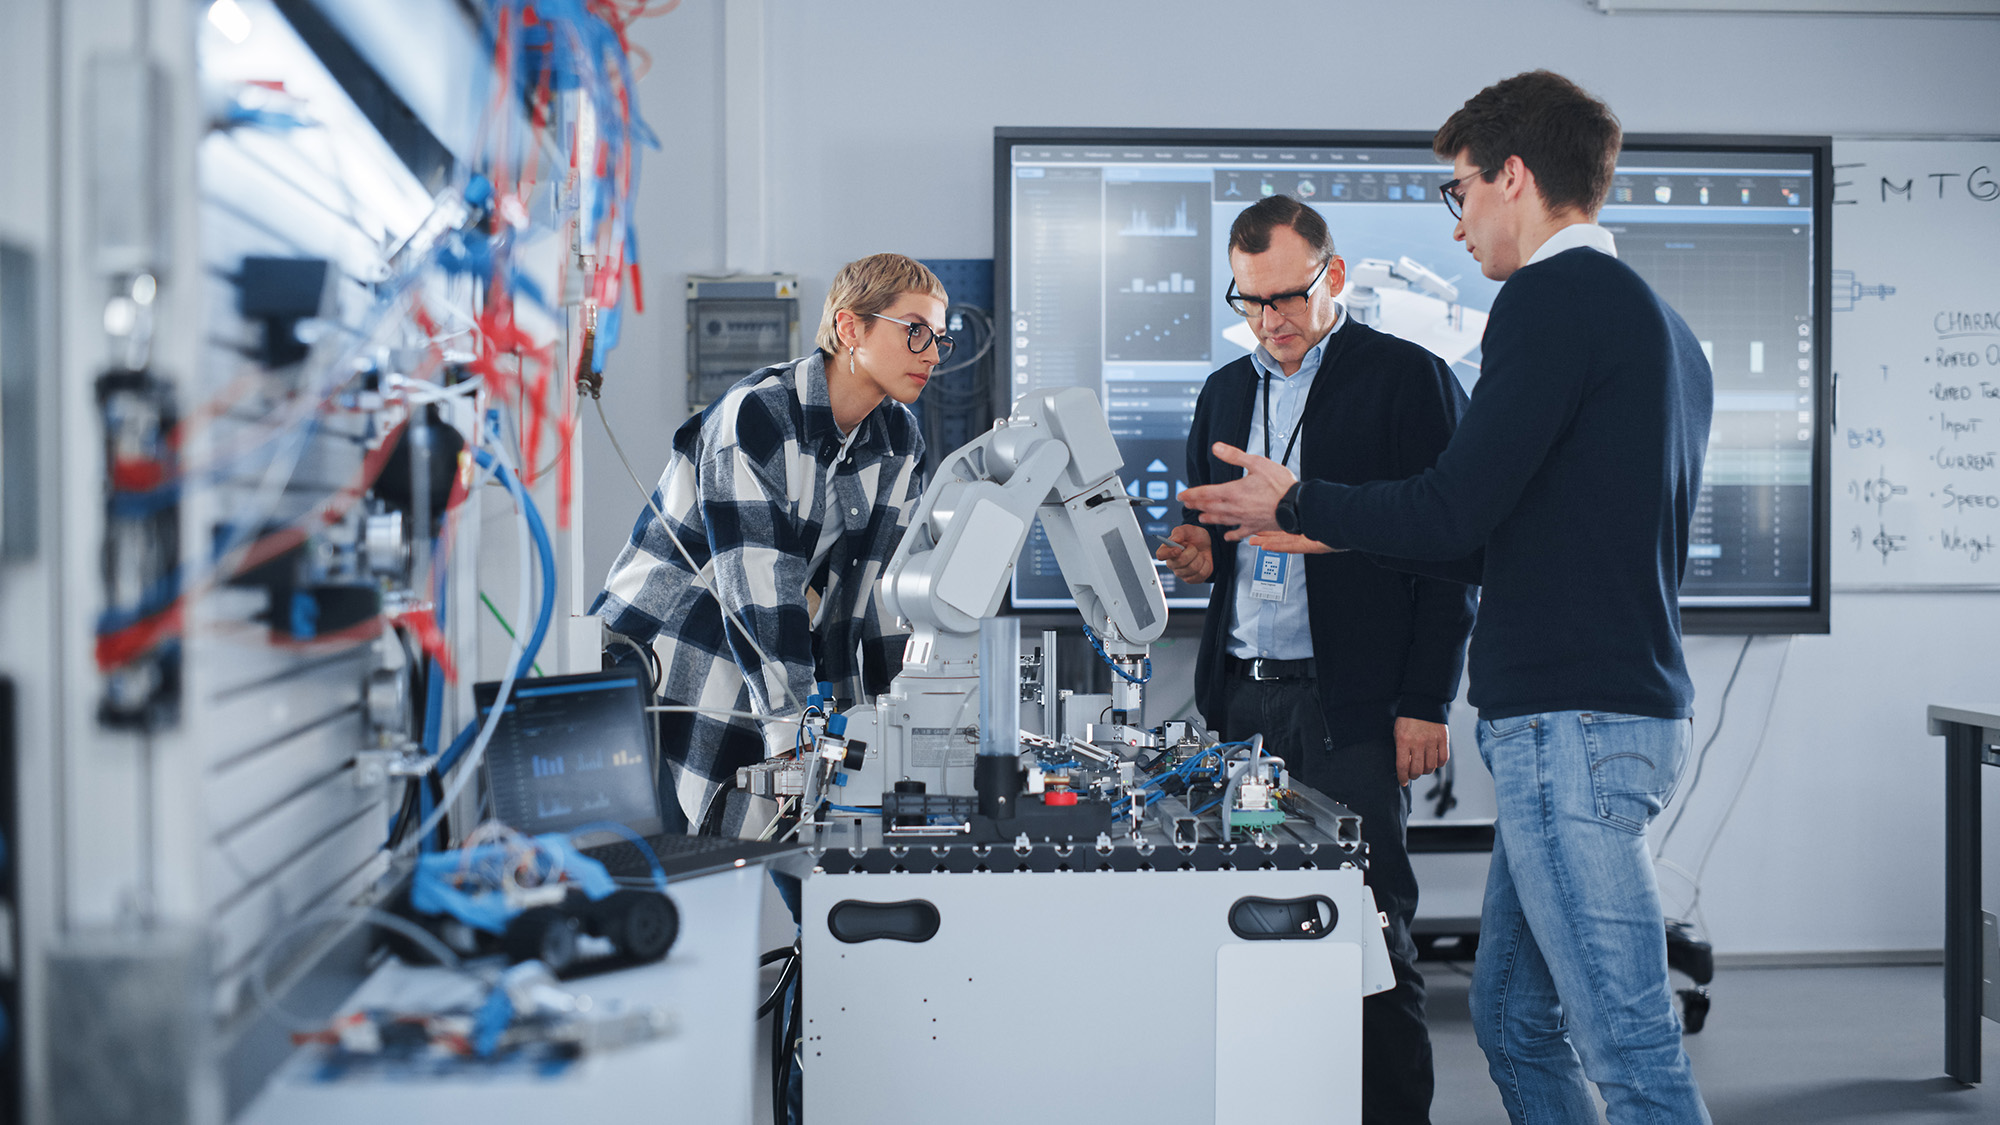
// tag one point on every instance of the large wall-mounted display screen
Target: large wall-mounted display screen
(1112, 261)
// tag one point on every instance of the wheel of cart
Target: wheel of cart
(641, 924)
(543, 933)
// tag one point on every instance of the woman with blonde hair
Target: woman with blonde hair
(752, 571)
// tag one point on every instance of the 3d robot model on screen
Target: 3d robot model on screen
(1404, 298)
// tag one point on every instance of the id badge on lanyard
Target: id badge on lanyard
(1267, 578)
(1269, 571)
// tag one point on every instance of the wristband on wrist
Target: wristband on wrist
(1288, 510)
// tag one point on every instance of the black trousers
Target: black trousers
(1396, 1076)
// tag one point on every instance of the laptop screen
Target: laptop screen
(571, 750)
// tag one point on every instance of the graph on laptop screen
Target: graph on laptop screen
(1112, 262)
(571, 751)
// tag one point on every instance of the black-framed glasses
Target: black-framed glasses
(1454, 192)
(922, 336)
(1285, 304)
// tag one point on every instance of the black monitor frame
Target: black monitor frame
(1811, 618)
(486, 691)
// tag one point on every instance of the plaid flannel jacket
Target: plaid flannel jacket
(746, 494)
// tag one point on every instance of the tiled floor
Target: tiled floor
(1781, 1046)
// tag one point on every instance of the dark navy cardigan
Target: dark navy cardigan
(1387, 643)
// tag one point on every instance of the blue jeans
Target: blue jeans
(1572, 947)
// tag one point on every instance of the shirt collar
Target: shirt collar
(1573, 236)
(816, 406)
(1309, 363)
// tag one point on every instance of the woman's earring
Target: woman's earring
(850, 359)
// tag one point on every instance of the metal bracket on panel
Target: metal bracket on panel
(774, 778)
(1177, 821)
(1990, 929)
(20, 474)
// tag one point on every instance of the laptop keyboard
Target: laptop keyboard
(679, 855)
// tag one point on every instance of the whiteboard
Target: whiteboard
(1916, 361)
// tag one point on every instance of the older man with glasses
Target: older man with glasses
(1346, 667)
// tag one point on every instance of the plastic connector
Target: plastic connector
(379, 767)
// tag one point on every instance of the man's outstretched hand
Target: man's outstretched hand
(1249, 504)
(1285, 543)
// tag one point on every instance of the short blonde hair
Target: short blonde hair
(869, 285)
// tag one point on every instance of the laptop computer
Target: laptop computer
(571, 752)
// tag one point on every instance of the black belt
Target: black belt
(1261, 669)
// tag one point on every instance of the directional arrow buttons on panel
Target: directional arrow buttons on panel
(1159, 513)
(1158, 466)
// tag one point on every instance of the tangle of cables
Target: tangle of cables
(461, 317)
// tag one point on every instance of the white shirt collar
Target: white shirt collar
(1573, 236)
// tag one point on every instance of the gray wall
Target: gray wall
(877, 124)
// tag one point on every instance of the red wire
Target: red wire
(423, 623)
(119, 648)
(358, 633)
(528, 382)
(122, 646)
(565, 482)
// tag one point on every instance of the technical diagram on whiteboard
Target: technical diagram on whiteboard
(1846, 291)
(1883, 541)
(1877, 491)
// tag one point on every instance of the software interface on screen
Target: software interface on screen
(1119, 264)
(570, 751)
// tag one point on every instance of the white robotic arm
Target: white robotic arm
(1368, 277)
(1054, 458)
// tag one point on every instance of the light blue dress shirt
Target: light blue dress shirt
(1277, 630)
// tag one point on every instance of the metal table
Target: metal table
(1971, 739)
(704, 1071)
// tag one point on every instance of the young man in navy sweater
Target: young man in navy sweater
(1576, 468)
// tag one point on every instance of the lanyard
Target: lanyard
(1294, 439)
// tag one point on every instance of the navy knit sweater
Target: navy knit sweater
(1576, 467)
